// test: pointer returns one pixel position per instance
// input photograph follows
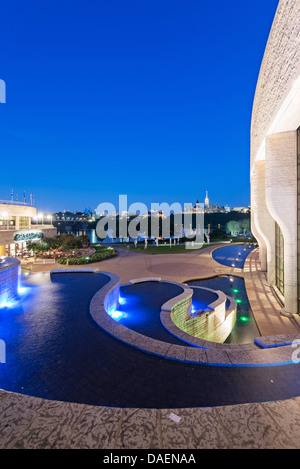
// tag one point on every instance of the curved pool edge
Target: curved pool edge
(219, 265)
(205, 353)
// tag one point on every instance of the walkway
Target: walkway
(264, 303)
(32, 423)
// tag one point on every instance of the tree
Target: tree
(233, 227)
(84, 239)
(245, 225)
(37, 246)
(218, 234)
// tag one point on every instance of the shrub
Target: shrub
(98, 256)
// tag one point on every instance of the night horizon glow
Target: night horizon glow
(152, 100)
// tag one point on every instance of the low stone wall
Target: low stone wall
(214, 325)
(9, 279)
(79, 270)
(111, 302)
(202, 352)
(143, 280)
(221, 333)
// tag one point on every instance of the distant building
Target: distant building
(241, 209)
(70, 216)
(206, 202)
(20, 223)
(89, 212)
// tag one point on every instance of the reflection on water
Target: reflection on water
(91, 233)
(233, 255)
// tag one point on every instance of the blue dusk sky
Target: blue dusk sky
(149, 98)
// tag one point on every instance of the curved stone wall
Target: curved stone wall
(267, 351)
(214, 325)
(9, 279)
(278, 82)
(273, 159)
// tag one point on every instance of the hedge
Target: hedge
(96, 257)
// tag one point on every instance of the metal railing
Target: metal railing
(15, 202)
(44, 261)
(35, 226)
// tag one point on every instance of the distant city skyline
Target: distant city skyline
(31, 199)
(152, 100)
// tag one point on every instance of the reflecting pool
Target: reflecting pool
(55, 350)
(233, 255)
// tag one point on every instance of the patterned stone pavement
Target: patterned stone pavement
(32, 423)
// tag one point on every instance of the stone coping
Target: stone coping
(221, 296)
(186, 294)
(148, 279)
(72, 271)
(205, 353)
(273, 341)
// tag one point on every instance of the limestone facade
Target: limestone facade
(274, 158)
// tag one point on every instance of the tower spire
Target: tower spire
(206, 200)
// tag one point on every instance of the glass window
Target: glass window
(279, 259)
(24, 221)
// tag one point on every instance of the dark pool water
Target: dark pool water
(55, 350)
(141, 307)
(233, 255)
(245, 329)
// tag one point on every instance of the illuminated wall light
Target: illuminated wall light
(22, 290)
(116, 315)
(6, 303)
(244, 319)
(122, 301)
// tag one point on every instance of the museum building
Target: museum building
(275, 157)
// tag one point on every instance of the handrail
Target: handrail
(15, 202)
(28, 227)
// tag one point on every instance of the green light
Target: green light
(235, 290)
(244, 319)
(238, 301)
